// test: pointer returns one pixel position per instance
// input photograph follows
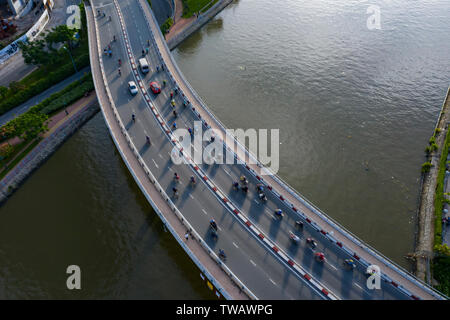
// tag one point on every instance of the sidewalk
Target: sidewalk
(179, 23)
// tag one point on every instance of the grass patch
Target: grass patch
(194, 6)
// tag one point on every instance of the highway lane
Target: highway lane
(349, 285)
(263, 272)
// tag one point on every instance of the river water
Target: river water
(355, 108)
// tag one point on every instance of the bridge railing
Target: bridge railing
(345, 232)
(163, 194)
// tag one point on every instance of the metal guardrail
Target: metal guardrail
(345, 232)
(175, 210)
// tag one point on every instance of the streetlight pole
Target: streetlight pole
(73, 62)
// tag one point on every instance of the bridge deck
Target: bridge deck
(363, 251)
(141, 177)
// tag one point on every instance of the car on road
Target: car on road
(132, 87)
(143, 64)
(155, 87)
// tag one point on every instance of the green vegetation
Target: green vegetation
(426, 167)
(441, 262)
(440, 198)
(54, 64)
(195, 6)
(441, 272)
(21, 155)
(166, 25)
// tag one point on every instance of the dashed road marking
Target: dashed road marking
(234, 244)
(273, 281)
(252, 262)
(156, 165)
(204, 211)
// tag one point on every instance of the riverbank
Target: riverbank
(184, 27)
(61, 127)
(429, 216)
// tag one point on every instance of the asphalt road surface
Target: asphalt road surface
(254, 263)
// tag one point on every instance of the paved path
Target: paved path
(11, 114)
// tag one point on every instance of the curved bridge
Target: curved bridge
(262, 262)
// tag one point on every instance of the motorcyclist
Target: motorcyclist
(245, 189)
(120, 72)
(147, 138)
(176, 177)
(320, 257)
(133, 117)
(294, 237)
(171, 94)
(175, 114)
(260, 187)
(262, 196)
(164, 83)
(143, 52)
(114, 38)
(235, 185)
(222, 254)
(191, 132)
(349, 263)
(157, 68)
(278, 212)
(213, 224)
(174, 125)
(311, 242)
(192, 180)
(299, 224)
(120, 62)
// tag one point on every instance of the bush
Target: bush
(441, 272)
(68, 98)
(37, 87)
(166, 25)
(426, 167)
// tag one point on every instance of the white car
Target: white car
(132, 87)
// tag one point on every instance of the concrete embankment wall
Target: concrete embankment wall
(32, 161)
(426, 215)
(198, 23)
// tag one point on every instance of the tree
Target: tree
(37, 53)
(3, 92)
(61, 34)
(29, 125)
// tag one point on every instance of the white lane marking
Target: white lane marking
(204, 211)
(273, 281)
(156, 165)
(256, 201)
(227, 172)
(234, 244)
(220, 229)
(362, 289)
(254, 264)
(332, 266)
(160, 156)
(190, 195)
